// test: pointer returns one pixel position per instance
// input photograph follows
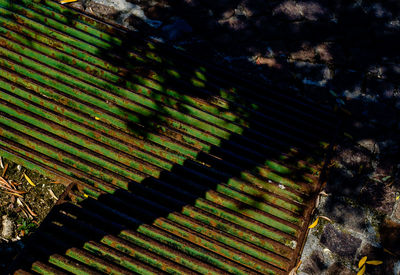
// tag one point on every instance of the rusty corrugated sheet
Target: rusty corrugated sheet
(177, 166)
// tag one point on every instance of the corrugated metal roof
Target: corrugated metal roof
(178, 166)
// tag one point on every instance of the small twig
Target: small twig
(26, 214)
(27, 208)
(4, 182)
(13, 184)
(12, 190)
(326, 218)
(52, 195)
(5, 170)
(323, 193)
(389, 252)
(14, 194)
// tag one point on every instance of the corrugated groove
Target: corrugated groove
(181, 167)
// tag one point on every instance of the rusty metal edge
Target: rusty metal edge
(321, 184)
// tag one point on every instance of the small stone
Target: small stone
(269, 61)
(292, 10)
(328, 256)
(396, 212)
(317, 75)
(314, 264)
(396, 268)
(235, 23)
(102, 10)
(380, 11)
(77, 5)
(324, 53)
(176, 29)
(228, 13)
(343, 244)
(7, 227)
(118, 5)
(370, 145)
(306, 54)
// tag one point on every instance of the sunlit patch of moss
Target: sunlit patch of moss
(162, 129)
(324, 144)
(303, 165)
(116, 41)
(150, 83)
(200, 76)
(153, 56)
(174, 73)
(278, 167)
(307, 179)
(151, 45)
(197, 83)
(230, 115)
(159, 78)
(226, 94)
(188, 140)
(136, 57)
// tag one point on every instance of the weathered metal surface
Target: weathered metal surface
(179, 166)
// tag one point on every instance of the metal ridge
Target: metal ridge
(174, 165)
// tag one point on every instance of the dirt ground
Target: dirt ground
(23, 207)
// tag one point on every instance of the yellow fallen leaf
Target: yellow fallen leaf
(67, 1)
(362, 261)
(29, 180)
(374, 262)
(96, 118)
(362, 271)
(397, 198)
(86, 196)
(314, 223)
